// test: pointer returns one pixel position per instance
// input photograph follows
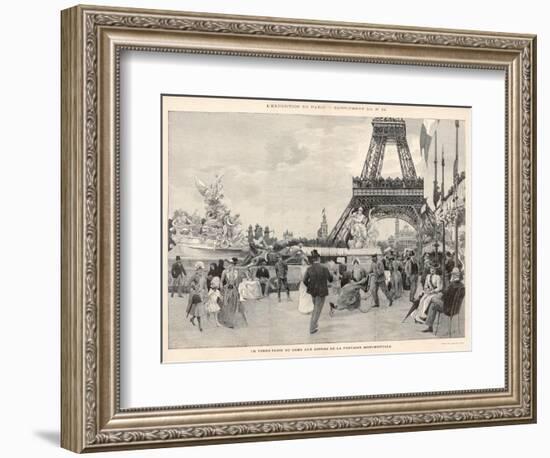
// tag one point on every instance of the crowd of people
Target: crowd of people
(440, 290)
(218, 295)
(434, 284)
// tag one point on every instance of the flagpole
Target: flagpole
(435, 173)
(456, 192)
(435, 197)
(443, 219)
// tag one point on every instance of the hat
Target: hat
(315, 253)
(234, 260)
(199, 265)
(178, 258)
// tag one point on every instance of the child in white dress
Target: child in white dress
(214, 299)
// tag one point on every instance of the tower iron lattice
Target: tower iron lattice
(379, 197)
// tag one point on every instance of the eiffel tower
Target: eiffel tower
(386, 197)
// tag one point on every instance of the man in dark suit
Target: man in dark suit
(316, 279)
(281, 270)
(411, 269)
(178, 277)
(449, 302)
(262, 274)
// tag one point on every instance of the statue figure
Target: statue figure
(217, 226)
(213, 196)
(362, 231)
(231, 228)
(181, 224)
(195, 218)
(372, 233)
(262, 252)
(258, 249)
(358, 229)
(171, 234)
(258, 232)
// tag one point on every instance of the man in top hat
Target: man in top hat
(316, 279)
(380, 282)
(450, 300)
(178, 276)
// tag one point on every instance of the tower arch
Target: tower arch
(379, 197)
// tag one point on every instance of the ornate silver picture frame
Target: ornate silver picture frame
(93, 41)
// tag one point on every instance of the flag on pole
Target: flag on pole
(427, 131)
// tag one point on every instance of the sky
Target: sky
(282, 170)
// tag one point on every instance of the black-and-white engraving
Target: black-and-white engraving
(300, 228)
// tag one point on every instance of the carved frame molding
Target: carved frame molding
(92, 39)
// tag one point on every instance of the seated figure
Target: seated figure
(349, 297)
(448, 302)
(249, 288)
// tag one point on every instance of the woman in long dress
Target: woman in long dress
(350, 294)
(305, 301)
(337, 271)
(196, 307)
(231, 304)
(396, 279)
(433, 287)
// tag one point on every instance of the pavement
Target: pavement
(271, 322)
